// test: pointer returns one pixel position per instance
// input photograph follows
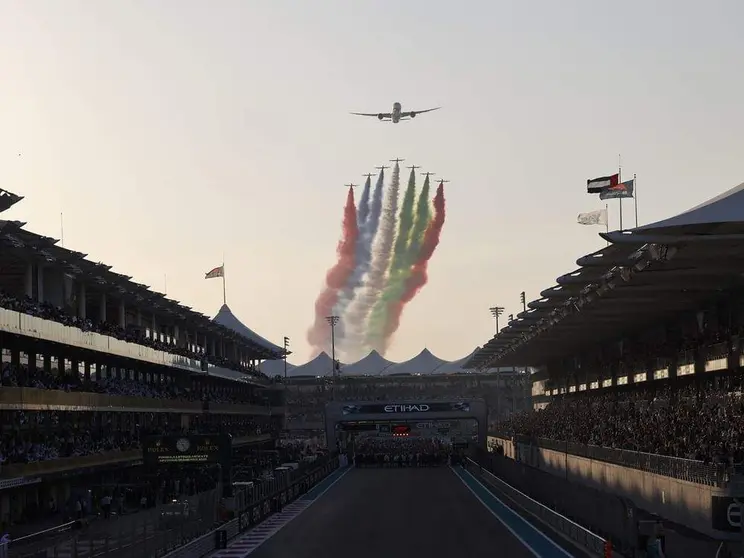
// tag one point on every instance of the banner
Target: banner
(387, 408)
(196, 449)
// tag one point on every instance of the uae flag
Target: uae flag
(597, 185)
(216, 272)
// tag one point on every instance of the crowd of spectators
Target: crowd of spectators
(700, 421)
(22, 376)
(306, 403)
(32, 436)
(48, 311)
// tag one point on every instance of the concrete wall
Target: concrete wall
(682, 502)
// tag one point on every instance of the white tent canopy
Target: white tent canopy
(423, 363)
(321, 365)
(454, 367)
(373, 364)
(275, 368)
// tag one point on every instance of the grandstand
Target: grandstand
(313, 384)
(92, 363)
(637, 358)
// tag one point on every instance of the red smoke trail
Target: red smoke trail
(418, 277)
(319, 334)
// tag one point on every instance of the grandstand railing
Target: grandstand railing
(36, 399)
(32, 326)
(108, 458)
(690, 470)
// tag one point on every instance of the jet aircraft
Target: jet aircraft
(397, 115)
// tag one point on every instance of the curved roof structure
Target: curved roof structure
(455, 367)
(642, 277)
(274, 368)
(227, 319)
(423, 363)
(727, 207)
(373, 364)
(321, 365)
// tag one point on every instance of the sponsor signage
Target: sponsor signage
(726, 513)
(193, 449)
(405, 408)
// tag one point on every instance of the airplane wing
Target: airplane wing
(415, 112)
(376, 115)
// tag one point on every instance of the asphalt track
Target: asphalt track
(400, 513)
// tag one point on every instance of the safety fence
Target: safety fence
(255, 513)
(587, 516)
(158, 531)
(711, 474)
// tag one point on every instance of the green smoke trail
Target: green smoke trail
(423, 217)
(399, 269)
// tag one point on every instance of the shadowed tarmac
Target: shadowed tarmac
(395, 513)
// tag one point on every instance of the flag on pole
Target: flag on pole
(598, 217)
(216, 272)
(618, 191)
(598, 185)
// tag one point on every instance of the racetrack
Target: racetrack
(398, 513)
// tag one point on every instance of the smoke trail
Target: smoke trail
(382, 251)
(337, 276)
(398, 270)
(363, 211)
(418, 277)
(423, 215)
(362, 257)
(359, 307)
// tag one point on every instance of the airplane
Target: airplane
(413, 167)
(395, 116)
(368, 175)
(382, 168)
(350, 185)
(427, 174)
(442, 181)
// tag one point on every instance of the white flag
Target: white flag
(598, 217)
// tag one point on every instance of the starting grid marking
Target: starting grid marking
(245, 545)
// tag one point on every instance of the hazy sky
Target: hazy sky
(169, 132)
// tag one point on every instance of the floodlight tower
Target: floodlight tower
(496, 311)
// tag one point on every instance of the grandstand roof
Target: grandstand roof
(32, 246)
(644, 275)
(226, 318)
(724, 208)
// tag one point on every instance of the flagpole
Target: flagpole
(607, 221)
(224, 286)
(635, 198)
(620, 181)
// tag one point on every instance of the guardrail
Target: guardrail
(593, 543)
(675, 467)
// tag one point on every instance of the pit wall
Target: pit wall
(679, 501)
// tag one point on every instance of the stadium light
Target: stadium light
(523, 300)
(286, 346)
(496, 311)
(332, 321)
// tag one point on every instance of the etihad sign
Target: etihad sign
(422, 408)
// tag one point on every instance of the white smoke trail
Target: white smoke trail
(374, 281)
